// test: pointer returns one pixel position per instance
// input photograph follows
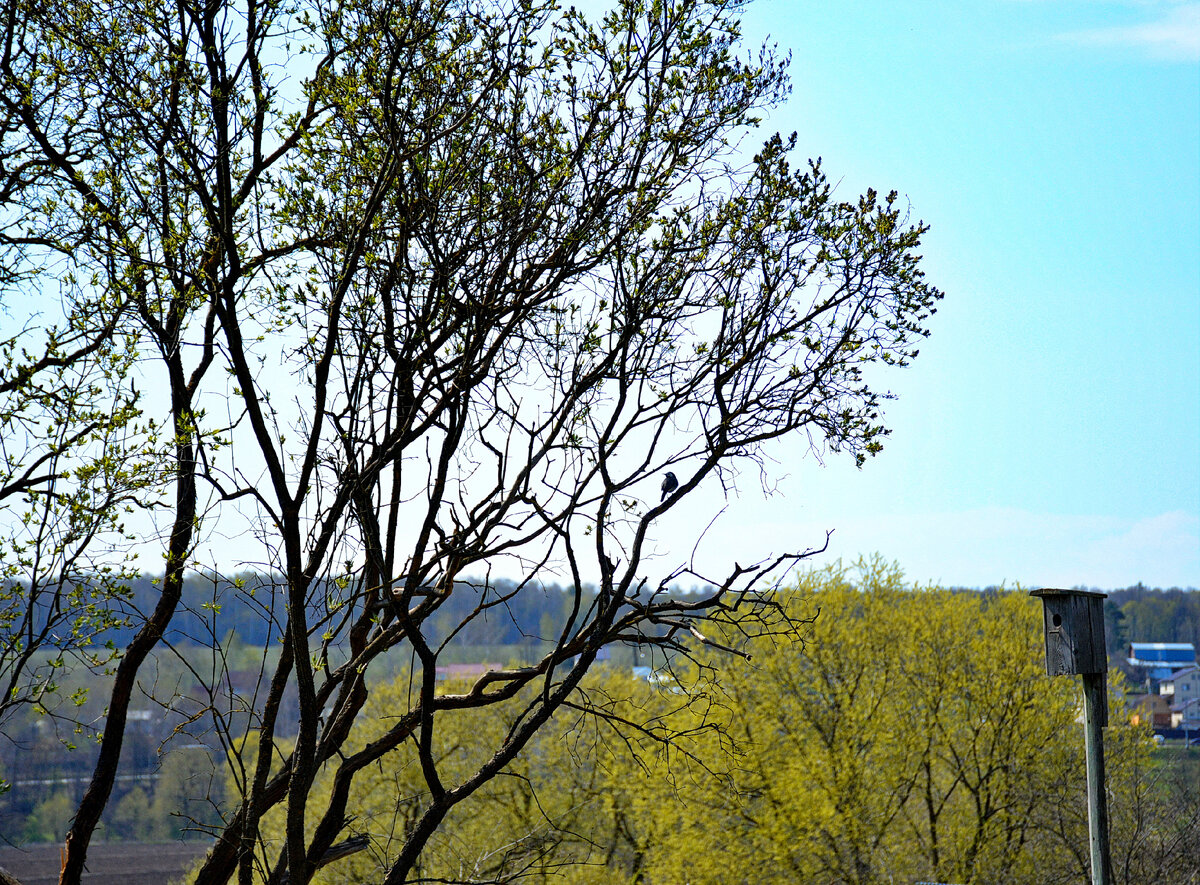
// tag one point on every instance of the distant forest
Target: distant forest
(1142, 614)
(250, 607)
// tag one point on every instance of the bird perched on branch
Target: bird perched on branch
(670, 484)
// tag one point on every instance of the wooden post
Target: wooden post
(1074, 630)
(1095, 717)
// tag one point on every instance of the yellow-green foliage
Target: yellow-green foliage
(551, 811)
(912, 734)
(905, 738)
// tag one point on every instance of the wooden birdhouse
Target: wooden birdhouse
(1073, 621)
(1074, 627)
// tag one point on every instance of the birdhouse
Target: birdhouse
(1074, 626)
(1073, 621)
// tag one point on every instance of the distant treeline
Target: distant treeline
(251, 607)
(1142, 614)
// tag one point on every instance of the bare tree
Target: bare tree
(438, 290)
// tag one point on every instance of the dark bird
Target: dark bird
(609, 564)
(670, 484)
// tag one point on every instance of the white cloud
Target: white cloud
(1174, 35)
(978, 548)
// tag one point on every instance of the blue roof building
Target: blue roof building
(1161, 659)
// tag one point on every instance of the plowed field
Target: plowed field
(121, 863)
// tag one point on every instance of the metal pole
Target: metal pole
(1095, 718)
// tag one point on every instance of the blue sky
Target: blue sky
(1049, 433)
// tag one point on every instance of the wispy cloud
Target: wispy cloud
(1004, 545)
(1173, 34)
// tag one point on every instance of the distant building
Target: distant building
(1181, 685)
(464, 672)
(1152, 708)
(1181, 690)
(1156, 661)
(659, 678)
(1186, 715)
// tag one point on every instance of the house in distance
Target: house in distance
(1153, 662)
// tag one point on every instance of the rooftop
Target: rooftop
(1158, 654)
